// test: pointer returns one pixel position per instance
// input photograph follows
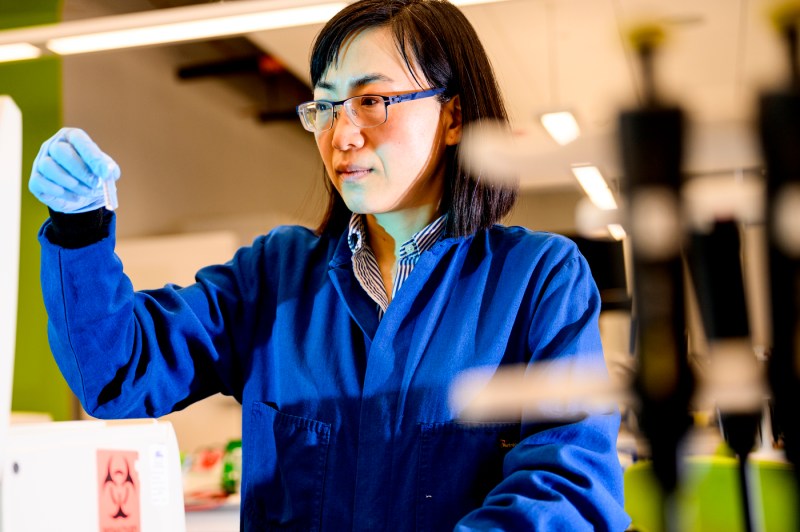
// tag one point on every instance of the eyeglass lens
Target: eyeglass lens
(364, 111)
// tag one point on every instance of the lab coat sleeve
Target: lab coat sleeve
(142, 354)
(563, 475)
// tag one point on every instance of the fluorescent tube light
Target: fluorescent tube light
(595, 186)
(616, 231)
(19, 51)
(171, 25)
(562, 126)
(194, 30)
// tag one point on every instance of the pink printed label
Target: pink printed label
(118, 490)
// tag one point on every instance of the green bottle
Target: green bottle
(232, 467)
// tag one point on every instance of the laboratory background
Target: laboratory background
(213, 154)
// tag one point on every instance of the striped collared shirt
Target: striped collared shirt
(365, 266)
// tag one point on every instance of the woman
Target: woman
(341, 344)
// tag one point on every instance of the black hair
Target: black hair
(435, 36)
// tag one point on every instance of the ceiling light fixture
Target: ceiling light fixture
(193, 30)
(18, 52)
(595, 186)
(172, 25)
(562, 126)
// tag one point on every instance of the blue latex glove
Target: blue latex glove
(69, 171)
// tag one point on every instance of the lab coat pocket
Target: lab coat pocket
(284, 478)
(459, 463)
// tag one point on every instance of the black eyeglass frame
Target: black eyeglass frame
(387, 101)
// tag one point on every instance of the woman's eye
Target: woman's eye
(367, 101)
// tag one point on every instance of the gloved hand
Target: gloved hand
(68, 170)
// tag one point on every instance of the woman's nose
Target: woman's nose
(346, 135)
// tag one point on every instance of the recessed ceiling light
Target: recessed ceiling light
(562, 126)
(595, 186)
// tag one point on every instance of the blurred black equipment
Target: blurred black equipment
(779, 123)
(651, 143)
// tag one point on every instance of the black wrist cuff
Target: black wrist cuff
(74, 231)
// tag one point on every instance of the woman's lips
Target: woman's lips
(351, 173)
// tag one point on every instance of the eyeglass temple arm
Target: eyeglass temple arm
(414, 95)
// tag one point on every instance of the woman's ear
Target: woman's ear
(452, 117)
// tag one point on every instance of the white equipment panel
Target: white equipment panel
(87, 476)
(10, 178)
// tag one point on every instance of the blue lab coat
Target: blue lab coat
(346, 419)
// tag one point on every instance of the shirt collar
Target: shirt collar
(420, 242)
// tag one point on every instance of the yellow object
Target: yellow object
(709, 498)
(785, 14)
(646, 35)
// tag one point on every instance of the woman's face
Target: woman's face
(399, 164)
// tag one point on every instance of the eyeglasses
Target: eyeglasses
(368, 110)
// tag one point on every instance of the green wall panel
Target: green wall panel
(16, 13)
(36, 88)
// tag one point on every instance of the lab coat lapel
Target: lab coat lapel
(429, 310)
(405, 330)
(361, 308)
